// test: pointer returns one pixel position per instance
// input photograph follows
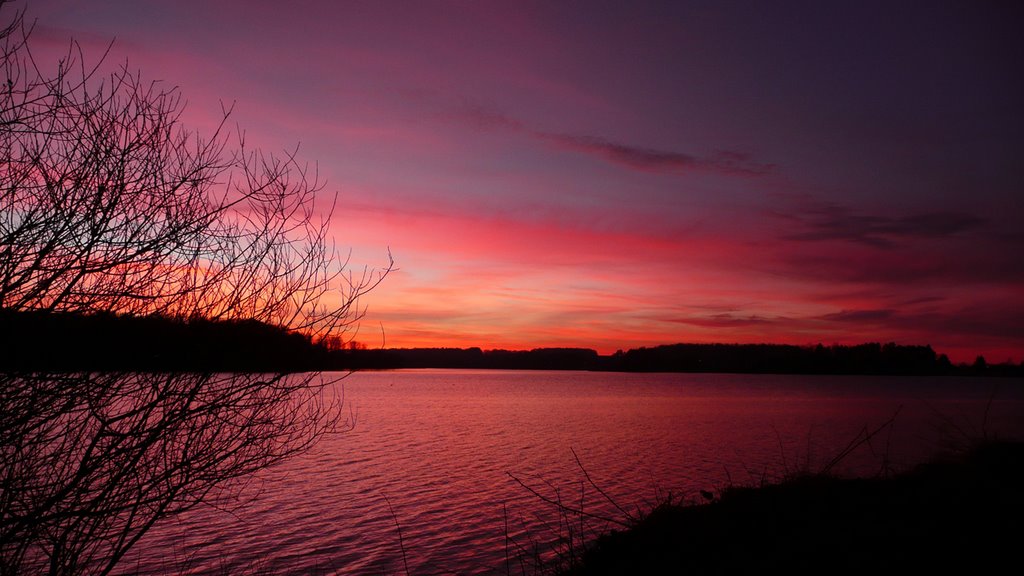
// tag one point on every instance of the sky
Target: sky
(620, 174)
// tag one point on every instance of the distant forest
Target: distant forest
(63, 342)
(870, 358)
(60, 342)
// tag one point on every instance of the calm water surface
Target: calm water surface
(443, 446)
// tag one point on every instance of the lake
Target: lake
(443, 455)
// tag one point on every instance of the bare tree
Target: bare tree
(108, 204)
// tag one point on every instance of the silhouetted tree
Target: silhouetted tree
(979, 364)
(109, 205)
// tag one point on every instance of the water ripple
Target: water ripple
(439, 446)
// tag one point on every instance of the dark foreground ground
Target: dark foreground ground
(960, 514)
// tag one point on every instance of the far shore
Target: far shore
(36, 341)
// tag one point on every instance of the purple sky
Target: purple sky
(618, 174)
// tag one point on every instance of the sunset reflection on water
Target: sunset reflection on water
(441, 445)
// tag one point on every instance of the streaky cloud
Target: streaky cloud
(644, 159)
(835, 222)
(484, 118)
(980, 321)
(631, 156)
(723, 321)
(923, 300)
(651, 160)
(859, 315)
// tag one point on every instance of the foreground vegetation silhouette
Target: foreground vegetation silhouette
(110, 208)
(960, 513)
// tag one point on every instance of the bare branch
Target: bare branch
(108, 204)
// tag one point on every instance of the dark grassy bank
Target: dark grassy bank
(961, 513)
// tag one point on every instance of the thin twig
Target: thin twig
(859, 441)
(504, 515)
(988, 408)
(628, 516)
(782, 450)
(401, 541)
(562, 506)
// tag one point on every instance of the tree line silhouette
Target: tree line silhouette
(868, 359)
(62, 342)
(38, 340)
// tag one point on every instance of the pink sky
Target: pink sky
(614, 175)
